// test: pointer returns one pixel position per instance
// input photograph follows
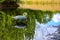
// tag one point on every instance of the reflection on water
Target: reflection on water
(48, 31)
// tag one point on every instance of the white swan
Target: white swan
(20, 17)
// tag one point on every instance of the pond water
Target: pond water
(45, 31)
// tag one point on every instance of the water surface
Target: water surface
(42, 30)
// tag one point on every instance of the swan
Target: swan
(20, 20)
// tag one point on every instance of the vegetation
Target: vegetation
(8, 32)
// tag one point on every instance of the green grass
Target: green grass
(8, 32)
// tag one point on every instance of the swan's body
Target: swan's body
(19, 17)
(21, 23)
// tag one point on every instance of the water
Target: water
(43, 30)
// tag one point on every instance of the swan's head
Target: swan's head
(25, 14)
